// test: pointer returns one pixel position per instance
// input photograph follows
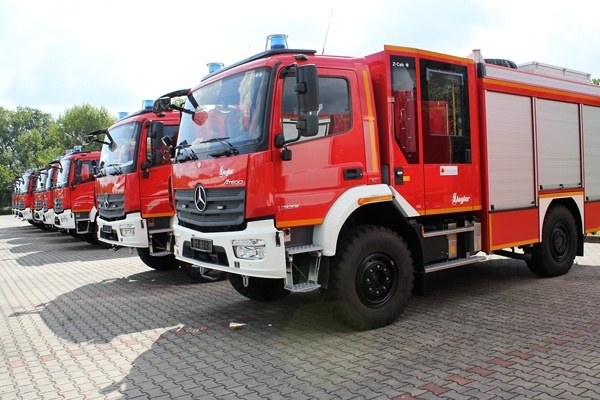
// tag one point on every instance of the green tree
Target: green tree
(30, 138)
(596, 81)
(79, 121)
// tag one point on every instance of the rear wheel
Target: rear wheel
(371, 278)
(259, 289)
(162, 263)
(555, 254)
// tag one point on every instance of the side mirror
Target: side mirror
(87, 140)
(307, 89)
(161, 105)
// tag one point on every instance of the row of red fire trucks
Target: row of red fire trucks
(291, 171)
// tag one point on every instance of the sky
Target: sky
(57, 54)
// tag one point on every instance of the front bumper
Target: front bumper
(129, 232)
(26, 214)
(64, 220)
(48, 217)
(272, 263)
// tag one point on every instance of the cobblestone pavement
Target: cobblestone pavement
(83, 322)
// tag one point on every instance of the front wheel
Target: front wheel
(259, 289)
(555, 254)
(162, 263)
(371, 278)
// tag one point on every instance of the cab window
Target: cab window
(334, 107)
(444, 113)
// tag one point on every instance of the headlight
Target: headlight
(127, 230)
(249, 249)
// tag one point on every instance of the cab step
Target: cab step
(160, 253)
(309, 282)
(307, 248)
(155, 231)
(303, 287)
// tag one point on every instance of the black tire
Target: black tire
(555, 254)
(162, 263)
(259, 289)
(371, 278)
(210, 275)
(92, 236)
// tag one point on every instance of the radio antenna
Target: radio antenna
(327, 33)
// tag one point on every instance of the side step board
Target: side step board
(313, 273)
(453, 263)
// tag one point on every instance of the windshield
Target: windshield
(41, 181)
(121, 159)
(24, 186)
(229, 118)
(51, 174)
(62, 180)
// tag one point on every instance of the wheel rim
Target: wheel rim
(376, 279)
(559, 241)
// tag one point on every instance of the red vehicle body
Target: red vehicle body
(360, 175)
(133, 203)
(43, 201)
(23, 197)
(73, 193)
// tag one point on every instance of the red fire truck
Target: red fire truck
(39, 197)
(132, 202)
(73, 193)
(14, 198)
(43, 202)
(133, 197)
(358, 176)
(23, 198)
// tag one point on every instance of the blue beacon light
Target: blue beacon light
(214, 66)
(278, 41)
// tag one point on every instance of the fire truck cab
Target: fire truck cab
(133, 199)
(73, 193)
(23, 198)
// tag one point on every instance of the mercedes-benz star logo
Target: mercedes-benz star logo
(105, 202)
(200, 198)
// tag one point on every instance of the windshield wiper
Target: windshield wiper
(190, 155)
(116, 167)
(230, 150)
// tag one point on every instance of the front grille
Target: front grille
(39, 204)
(111, 207)
(224, 210)
(58, 206)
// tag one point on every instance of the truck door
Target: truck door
(322, 166)
(432, 120)
(446, 133)
(155, 178)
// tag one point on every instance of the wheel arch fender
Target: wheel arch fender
(93, 214)
(353, 199)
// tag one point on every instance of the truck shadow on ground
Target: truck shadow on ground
(297, 340)
(181, 331)
(56, 246)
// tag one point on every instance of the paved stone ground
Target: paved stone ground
(83, 322)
